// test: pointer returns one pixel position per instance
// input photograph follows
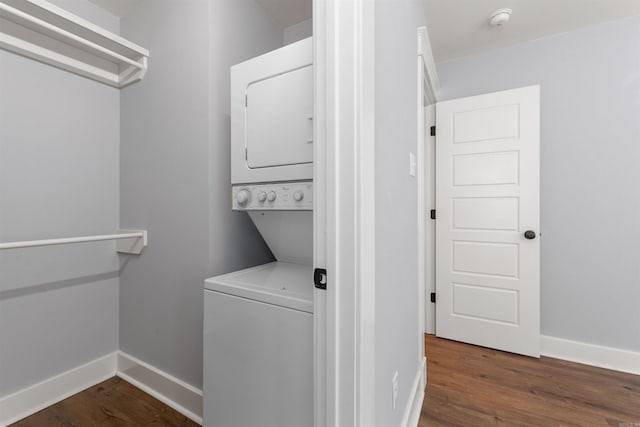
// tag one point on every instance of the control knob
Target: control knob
(271, 196)
(298, 196)
(243, 197)
(262, 196)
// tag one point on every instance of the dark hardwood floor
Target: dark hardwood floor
(475, 386)
(111, 403)
(467, 386)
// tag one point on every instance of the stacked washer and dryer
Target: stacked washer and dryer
(258, 322)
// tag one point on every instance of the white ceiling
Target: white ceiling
(460, 27)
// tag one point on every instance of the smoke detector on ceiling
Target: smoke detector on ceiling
(500, 17)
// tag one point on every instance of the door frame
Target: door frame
(428, 86)
(344, 212)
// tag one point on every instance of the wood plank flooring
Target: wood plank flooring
(475, 386)
(111, 403)
(467, 386)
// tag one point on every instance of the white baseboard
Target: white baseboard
(411, 415)
(423, 372)
(32, 399)
(187, 399)
(590, 354)
(171, 391)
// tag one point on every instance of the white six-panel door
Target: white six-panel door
(487, 199)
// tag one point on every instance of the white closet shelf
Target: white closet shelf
(42, 31)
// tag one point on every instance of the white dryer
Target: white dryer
(258, 322)
(272, 116)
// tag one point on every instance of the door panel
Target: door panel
(494, 259)
(485, 303)
(485, 168)
(488, 280)
(485, 124)
(485, 213)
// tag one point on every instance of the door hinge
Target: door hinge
(320, 278)
(432, 131)
(433, 297)
(433, 214)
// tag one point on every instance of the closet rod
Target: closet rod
(131, 241)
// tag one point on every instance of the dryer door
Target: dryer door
(279, 120)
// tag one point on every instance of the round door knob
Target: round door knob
(298, 196)
(530, 234)
(271, 196)
(262, 196)
(242, 197)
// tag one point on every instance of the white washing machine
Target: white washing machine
(258, 366)
(258, 322)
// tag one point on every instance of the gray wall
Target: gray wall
(59, 136)
(397, 325)
(234, 240)
(175, 173)
(590, 152)
(298, 31)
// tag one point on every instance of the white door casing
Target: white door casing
(428, 85)
(429, 236)
(344, 212)
(427, 88)
(487, 197)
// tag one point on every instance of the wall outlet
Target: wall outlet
(394, 390)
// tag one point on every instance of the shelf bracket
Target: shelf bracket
(133, 245)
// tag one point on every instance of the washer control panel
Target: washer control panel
(277, 196)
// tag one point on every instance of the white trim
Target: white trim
(412, 412)
(428, 86)
(424, 51)
(423, 372)
(365, 208)
(32, 399)
(345, 119)
(421, 196)
(591, 354)
(429, 235)
(423, 278)
(321, 363)
(171, 391)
